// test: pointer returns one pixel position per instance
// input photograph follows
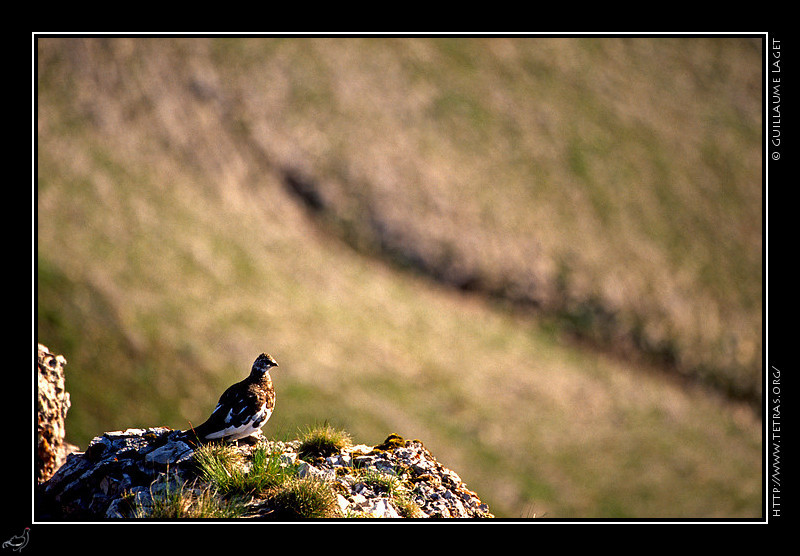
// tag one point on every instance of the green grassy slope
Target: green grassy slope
(613, 186)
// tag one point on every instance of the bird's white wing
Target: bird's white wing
(237, 425)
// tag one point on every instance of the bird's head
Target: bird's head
(263, 364)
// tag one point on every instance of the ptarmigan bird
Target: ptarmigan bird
(243, 408)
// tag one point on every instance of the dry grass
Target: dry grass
(591, 178)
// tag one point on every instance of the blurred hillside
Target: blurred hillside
(419, 230)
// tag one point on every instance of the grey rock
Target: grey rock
(380, 507)
(170, 454)
(305, 470)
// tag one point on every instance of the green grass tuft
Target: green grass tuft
(173, 498)
(304, 498)
(226, 469)
(233, 477)
(322, 441)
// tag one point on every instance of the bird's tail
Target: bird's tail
(190, 436)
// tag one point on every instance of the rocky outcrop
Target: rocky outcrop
(435, 490)
(52, 405)
(122, 475)
(126, 474)
(113, 466)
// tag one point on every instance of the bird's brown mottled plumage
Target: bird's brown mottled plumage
(243, 408)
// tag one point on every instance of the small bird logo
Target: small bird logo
(18, 542)
(243, 408)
